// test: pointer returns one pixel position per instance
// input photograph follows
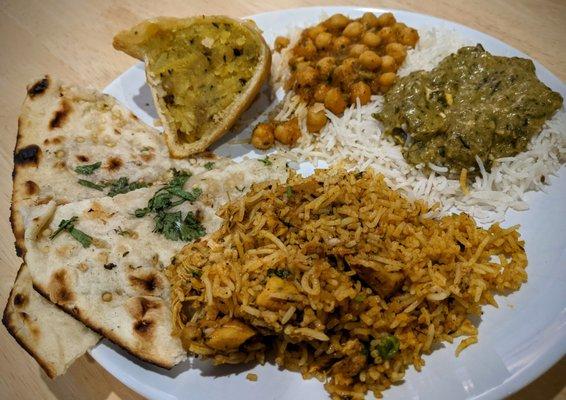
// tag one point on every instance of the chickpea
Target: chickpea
(386, 19)
(397, 51)
(316, 118)
(337, 22)
(313, 32)
(320, 92)
(370, 60)
(281, 42)
(340, 43)
(344, 75)
(371, 39)
(387, 79)
(350, 63)
(262, 136)
(323, 40)
(306, 49)
(353, 29)
(325, 66)
(388, 64)
(360, 90)
(334, 101)
(288, 132)
(357, 49)
(387, 35)
(307, 76)
(370, 20)
(408, 37)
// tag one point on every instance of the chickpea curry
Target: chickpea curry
(336, 63)
(472, 104)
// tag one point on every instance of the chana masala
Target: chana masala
(335, 64)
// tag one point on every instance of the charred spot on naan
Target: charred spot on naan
(140, 307)
(39, 87)
(82, 158)
(20, 300)
(114, 163)
(147, 282)
(28, 156)
(60, 291)
(31, 188)
(61, 115)
(54, 140)
(144, 328)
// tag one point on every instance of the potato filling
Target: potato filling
(203, 68)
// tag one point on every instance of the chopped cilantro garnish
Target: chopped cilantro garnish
(122, 185)
(92, 185)
(68, 225)
(265, 161)
(209, 165)
(172, 224)
(87, 169)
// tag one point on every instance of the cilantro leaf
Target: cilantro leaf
(122, 185)
(68, 225)
(266, 161)
(172, 224)
(209, 166)
(87, 169)
(92, 185)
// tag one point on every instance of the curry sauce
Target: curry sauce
(472, 104)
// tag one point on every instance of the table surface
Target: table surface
(71, 40)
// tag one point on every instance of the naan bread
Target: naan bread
(61, 127)
(47, 333)
(64, 126)
(117, 286)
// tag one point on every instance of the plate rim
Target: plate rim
(516, 381)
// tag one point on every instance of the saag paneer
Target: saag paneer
(472, 103)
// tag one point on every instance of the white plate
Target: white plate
(517, 342)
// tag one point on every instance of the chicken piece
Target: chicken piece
(230, 336)
(349, 366)
(382, 282)
(276, 293)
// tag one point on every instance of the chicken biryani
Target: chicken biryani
(339, 277)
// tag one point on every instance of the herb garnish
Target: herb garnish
(87, 169)
(209, 165)
(92, 185)
(388, 347)
(119, 186)
(281, 273)
(122, 185)
(68, 225)
(172, 224)
(266, 161)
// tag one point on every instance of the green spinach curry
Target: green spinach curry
(472, 104)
